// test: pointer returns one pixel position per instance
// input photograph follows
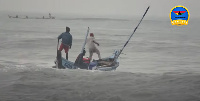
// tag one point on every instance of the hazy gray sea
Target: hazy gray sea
(160, 63)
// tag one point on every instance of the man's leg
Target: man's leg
(66, 51)
(90, 57)
(97, 51)
(66, 56)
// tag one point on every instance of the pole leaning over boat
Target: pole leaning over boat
(85, 40)
(79, 61)
(132, 33)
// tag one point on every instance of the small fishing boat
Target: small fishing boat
(105, 64)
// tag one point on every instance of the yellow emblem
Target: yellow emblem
(179, 15)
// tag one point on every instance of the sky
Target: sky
(99, 7)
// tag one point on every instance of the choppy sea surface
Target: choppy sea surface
(160, 63)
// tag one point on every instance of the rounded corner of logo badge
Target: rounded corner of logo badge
(173, 23)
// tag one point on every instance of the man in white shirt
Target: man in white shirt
(91, 45)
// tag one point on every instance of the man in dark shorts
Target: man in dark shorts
(66, 41)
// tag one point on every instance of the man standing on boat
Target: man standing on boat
(91, 45)
(66, 41)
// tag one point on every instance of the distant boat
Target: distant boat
(9, 16)
(51, 17)
(13, 16)
(26, 17)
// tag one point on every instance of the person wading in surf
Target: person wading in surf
(66, 41)
(91, 46)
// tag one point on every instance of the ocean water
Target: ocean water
(161, 61)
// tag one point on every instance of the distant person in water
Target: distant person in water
(50, 15)
(91, 46)
(9, 16)
(66, 41)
